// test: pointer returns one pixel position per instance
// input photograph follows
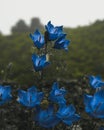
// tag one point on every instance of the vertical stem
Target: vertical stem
(45, 52)
(41, 74)
(46, 41)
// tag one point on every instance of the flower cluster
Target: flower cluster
(48, 118)
(66, 113)
(32, 99)
(53, 35)
(94, 105)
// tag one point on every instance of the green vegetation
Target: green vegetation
(85, 56)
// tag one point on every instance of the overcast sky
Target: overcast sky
(61, 12)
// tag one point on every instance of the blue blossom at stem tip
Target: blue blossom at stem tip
(5, 94)
(39, 62)
(67, 114)
(62, 43)
(57, 94)
(96, 82)
(38, 39)
(94, 105)
(53, 32)
(30, 98)
(46, 118)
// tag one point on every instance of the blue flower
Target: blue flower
(94, 105)
(62, 43)
(46, 118)
(67, 114)
(96, 82)
(54, 32)
(38, 39)
(39, 62)
(5, 94)
(57, 95)
(31, 98)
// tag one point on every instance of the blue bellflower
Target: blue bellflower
(31, 98)
(46, 118)
(62, 43)
(38, 39)
(96, 82)
(39, 62)
(94, 105)
(54, 32)
(67, 114)
(57, 94)
(5, 94)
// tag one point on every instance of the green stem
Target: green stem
(46, 41)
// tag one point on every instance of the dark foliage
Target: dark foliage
(16, 117)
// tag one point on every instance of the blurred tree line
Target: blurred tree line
(85, 55)
(22, 27)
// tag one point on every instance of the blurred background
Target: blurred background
(83, 21)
